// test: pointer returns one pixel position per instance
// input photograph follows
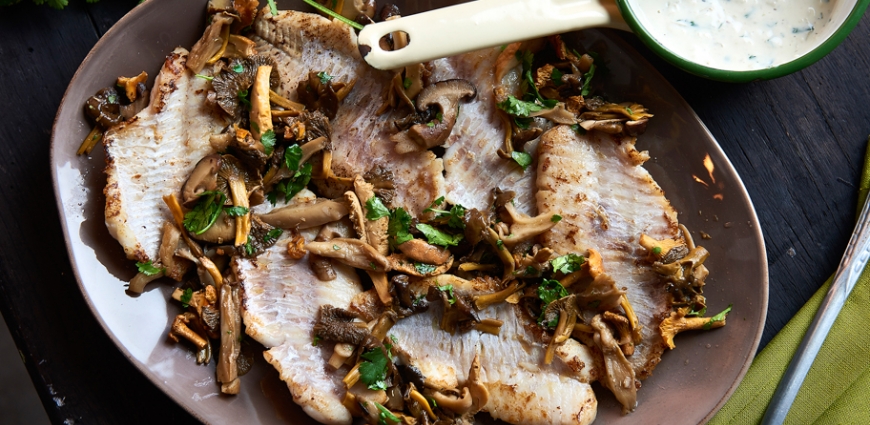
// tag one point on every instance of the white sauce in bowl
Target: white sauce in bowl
(740, 35)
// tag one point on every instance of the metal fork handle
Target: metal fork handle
(853, 263)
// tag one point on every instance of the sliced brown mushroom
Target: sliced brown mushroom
(306, 215)
(403, 264)
(213, 41)
(231, 338)
(420, 251)
(445, 97)
(523, 227)
(175, 267)
(203, 178)
(261, 110)
(352, 252)
(619, 374)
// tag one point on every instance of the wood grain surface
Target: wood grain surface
(798, 142)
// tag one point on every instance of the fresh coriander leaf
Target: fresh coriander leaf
(272, 197)
(268, 141)
(298, 182)
(424, 269)
(236, 211)
(399, 228)
(520, 108)
(556, 76)
(376, 209)
(556, 218)
(500, 244)
(406, 83)
(394, 338)
(206, 211)
(112, 98)
(238, 68)
(718, 318)
(273, 234)
(315, 341)
(249, 246)
(627, 109)
(430, 124)
(149, 269)
(435, 203)
(273, 8)
(335, 247)
(437, 237)
(451, 297)
(204, 77)
(439, 117)
(324, 77)
(522, 158)
(373, 369)
(551, 290)
(657, 250)
(185, 297)
(531, 271)
(292, 157)
(568, 263)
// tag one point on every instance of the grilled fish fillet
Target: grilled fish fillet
(607, 199)
(522, 389)
(301, 43)
(152, 154)
(282, 297)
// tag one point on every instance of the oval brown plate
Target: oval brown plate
(691, 383)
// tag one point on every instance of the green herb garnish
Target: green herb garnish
(717, 318)
(149, 269)
(556, 218)
(437, 237)
(186, 296)
(268, 141)
(568, 263)
(424, 268)
(451, 297)
(273, 234)
(206, 211)
(324, 77)
(236, 211)
(373, 369)
(329, 12)
(376, 209)
(522, 158)
(399, 228)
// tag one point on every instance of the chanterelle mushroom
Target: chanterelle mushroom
(445, 96)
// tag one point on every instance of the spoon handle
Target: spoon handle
(483, 23)
(853, 263)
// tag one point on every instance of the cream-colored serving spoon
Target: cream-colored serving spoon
(483, 23)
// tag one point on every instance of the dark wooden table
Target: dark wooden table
(798, 142)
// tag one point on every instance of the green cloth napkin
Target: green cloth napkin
(837, 388)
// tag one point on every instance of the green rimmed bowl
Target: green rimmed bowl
(847, 13)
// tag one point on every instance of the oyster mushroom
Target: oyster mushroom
(231, 338)
(306, 215)
(212, 43)
(445, 97)
(352, 252)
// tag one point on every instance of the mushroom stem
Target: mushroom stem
(90, 141)
(225, 36)
(180, 329)
(352, 377)
(632, 319)
(240, 199)
(421, 400)
(382, 286)
(261, 111)
(485, 300)
(284, 102)
(490, 326)
(506, 258)
(137, 284)
(312, 147)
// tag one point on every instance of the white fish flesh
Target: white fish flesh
(152, 154)
(597, 183)
(282, 298)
